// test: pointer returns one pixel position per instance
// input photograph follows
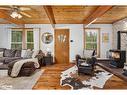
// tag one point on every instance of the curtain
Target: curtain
(36, 37)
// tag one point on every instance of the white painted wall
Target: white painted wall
(5, 34)
(76, 34)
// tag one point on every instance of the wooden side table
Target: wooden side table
(48, 60)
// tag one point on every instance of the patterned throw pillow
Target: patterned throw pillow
(23, 52)
(18, 53)
(9, 53)
(28, 54)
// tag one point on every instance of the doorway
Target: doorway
(62, 46)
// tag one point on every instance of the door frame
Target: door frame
(55, 41)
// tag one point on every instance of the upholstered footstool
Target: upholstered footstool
(27, 69)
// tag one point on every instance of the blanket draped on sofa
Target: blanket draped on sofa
(17, 65)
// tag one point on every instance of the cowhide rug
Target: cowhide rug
(99, 80)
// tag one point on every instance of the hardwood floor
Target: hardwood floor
(50, 79)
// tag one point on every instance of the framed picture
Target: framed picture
(105, 37)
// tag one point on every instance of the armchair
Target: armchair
(85, 66)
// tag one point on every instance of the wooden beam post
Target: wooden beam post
(5, 16)
(49, 13)
(96, 14)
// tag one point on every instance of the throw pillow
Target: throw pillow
(18, 53)
(23, 52)
(1, 54)
(9, 53)
(88, 53)
(28, 54)
(35, 53)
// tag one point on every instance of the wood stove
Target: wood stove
(118, 58)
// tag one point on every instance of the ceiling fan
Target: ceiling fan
(17, 11)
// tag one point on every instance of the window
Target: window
(92, 39)
(30, 42)
(16, 39)
(22, 38)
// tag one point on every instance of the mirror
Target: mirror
(47, 38)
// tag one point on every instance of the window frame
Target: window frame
(24, 37)
(98, 39)
(17, 42)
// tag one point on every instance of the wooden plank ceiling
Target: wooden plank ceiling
(65, 15)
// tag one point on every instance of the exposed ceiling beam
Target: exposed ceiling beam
(96, 14)
(5, 16)
(49, 12)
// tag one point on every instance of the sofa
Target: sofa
(10, 55)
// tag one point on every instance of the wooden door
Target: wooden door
(62, 46)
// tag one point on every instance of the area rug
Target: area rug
(70, 77)
(8, 83)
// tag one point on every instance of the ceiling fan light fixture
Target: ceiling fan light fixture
(19, 16)
(15, 14)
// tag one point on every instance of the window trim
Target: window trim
(11, 37)
(24, 36)
(98, 42)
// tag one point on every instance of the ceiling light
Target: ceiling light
(15, 14)
(19, 16)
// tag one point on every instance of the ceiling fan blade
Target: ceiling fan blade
(25, 14)
(25, 8)
(4, 8)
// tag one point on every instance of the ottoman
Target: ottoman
(27, 69)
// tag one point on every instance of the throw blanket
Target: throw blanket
(17, 66)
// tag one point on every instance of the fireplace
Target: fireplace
(118, 58)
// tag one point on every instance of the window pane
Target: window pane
(91, 46)
(29, 36)
(16, 36)
(91, 37)
(30, 46)
(16, 46)
(16, 39)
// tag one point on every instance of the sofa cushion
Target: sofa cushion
(2, 59)
(10, 59)
(9, 53)
(18, 53)
(3, 66)
(2, 49)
